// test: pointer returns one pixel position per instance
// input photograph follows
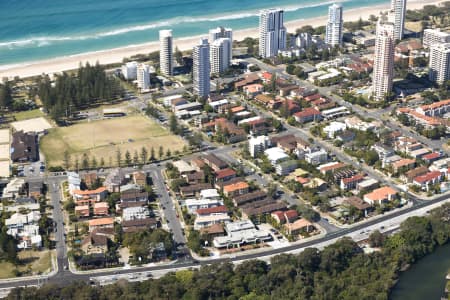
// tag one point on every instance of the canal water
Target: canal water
(425, 279)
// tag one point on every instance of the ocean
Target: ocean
(32, 30)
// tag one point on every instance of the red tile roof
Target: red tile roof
(212, 210)
(309, 111)
(357, 177)
(428, 177)
(431, 156)
(291, 214)
(225, 173)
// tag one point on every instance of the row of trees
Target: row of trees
(127, 159)
(70, 93)
(339, 271)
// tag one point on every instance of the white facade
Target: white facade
(221, 32)
(275, 155)
(129, 70)
(205, 221)
(272, 33)
(143, 77)
(166, 52)
(383, 68)
(316, 157)
(334, 26)
(74, 182)
(239, 233)
(435, 36)
(303, 40)
(439, 63)
(258, 144)
(334, 128)
(220, 56)
(398, 12)
(135, 213)
(193, 204)
(201, 69)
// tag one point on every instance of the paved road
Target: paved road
(66, 277)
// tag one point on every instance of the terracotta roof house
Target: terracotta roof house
(411, 174)
(211, 210)
(101, 209)
(430, 178)
(308, 114)
(357, 203)
(101, 223)
(351, 182)
(82, 211)
(225, 174)
(97, 194)
(235, 189)
(299, 226)
(291, 215)
(380, 195)
(405, 163)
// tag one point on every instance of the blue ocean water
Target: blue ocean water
(32, 30)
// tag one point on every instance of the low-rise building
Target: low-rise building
(24, 147)
(97, 194)
(380, 195)
(276, 155)
(351, 182)
(308, 114)
(316, 157)
(235, 189)
(139, 224)
(428, 179)
(285, 167)
(82, 211)
(250, 197)
(225, 175)
(208, 220)
(74, 182)
(135, 213)
(333, 129)
(240, 233)
(94, 244)
(14, 188)
(299, 226)
(192, 205)
(100, 223)
(367, 184)
(101, 209)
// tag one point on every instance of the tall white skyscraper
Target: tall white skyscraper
(383, 67)
(335, 24)
(143, 77)
(166, 52)
(397, 15)
(439, 62)
(221, 32)
(201, 68)
(272, 33)
(220, 55)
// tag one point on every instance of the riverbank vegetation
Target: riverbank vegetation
(340, 271)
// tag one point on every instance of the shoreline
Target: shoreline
(116, 55)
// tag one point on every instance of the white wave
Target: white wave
(45, 41)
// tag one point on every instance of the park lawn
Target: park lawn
(102, 139)
(36, 261)
(28, 114)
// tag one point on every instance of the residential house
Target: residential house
(94, 244)
(192, 190)
(403, 164)
(428, 179)
(380, 195)
(253, 89)
(133, 193)
(140, 178)
(35, 188)
(225, 175)
(90, 179)
(139, 224)
(22, 204)
(250, 197)
(431, 157)
(192, 205)
(278, 216)
(194, 178)
(82, 211)
(214, 162)
(114, 180)
(316, 157)
(101, 209)
(208, 220)
(183, 167)
(100, 223)
(358, 204)
(308, 114)
(290, 215)
(299, 226)
(285, 167)
(134, 213)
(14, 188)
(97, 194)
(210, 232)
(259, 208)
(411, 174)
(351, 182)
(367, 184)
(235, 189)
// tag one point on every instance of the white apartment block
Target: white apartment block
(129, 70)
(135, 213)
(166, 52)
(334, 26)
(201, 69)
(439, 63)
(272, 33)
(435, 36)
(220, 55)
(303, 40)
(143, 77)
(221, 32)
(258, 144)
(397, 15)
(383, 68)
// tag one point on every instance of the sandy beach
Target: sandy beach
(116, 55)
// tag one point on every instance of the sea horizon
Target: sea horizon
(47, 30)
